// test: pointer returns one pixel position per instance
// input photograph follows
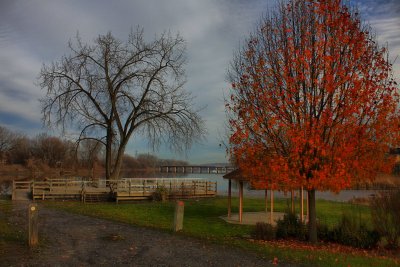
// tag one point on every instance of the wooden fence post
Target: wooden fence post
(178, 218)
(13, 196)
(271, 218)
(33, 225)
(301, 205)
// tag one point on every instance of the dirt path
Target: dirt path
(75, 240)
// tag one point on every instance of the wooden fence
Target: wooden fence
(118, 190)
(133, 188)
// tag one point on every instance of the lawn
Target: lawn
(202, 221)
(10, 235)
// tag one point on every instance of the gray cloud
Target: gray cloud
(33, 32)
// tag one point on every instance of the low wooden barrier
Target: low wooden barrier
(119, 190)
(134, 189)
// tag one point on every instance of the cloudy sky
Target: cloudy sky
(33, 32)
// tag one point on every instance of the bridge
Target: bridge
(196, 169)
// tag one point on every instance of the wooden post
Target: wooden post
(301, 205)
(307, 214)
(240, 201)
(266, 200)
(33, 225)
(13, 196)
(182, 189)
(271, 217)
(32, 188)
(229, 198)
(178, 218)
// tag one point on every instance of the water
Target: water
(222, 188)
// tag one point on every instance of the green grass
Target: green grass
(9, 234)
(202, 221)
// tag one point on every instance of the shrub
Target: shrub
(291, 227)
(161, 194)
(351, 233)
(323, 232)
(264, 231)
(385, 213)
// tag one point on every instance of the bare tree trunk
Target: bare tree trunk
(312, 222)
(118, 163)
(109, 154)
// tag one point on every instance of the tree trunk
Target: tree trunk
(108, 153)
(292, 200)
(118, 162)
(312, 222)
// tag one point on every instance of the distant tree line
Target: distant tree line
(48, 151)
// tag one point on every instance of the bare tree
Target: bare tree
(7, 139)
(111, 89)
(49, 150)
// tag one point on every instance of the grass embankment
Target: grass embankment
(10, 235)
(202, 221)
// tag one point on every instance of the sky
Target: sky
(36, 32)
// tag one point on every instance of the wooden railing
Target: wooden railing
(134, 188)
(126, 188)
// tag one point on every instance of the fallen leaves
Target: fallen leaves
(330, 247)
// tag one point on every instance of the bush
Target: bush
(161, 194)
(385, 213)
(349, 232)
(264, 231)
(291, 227)
(323, 232)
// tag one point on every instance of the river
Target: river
(222, 188)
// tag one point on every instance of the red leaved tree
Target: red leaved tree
(313, 101)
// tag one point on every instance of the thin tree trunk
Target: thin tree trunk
(292, 200)
(312, 223)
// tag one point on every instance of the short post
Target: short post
(240, 201)
(266, 200)
(301, 205)
(271, 219)
(178, 218)
(33, 225)
(229, 197)
(13, 191)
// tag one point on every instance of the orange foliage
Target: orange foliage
(313, 100)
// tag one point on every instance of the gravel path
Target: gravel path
(76, 240)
